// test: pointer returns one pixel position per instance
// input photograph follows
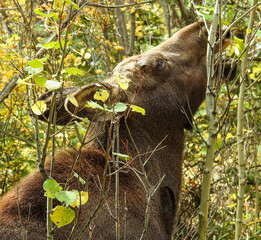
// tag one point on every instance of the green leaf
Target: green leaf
(51, 187)
(72, 3)
(35, 63)
(40, 81)
(80, 199)
(63, 43)
(67, 197)
(39, 45)
(122, 156)
(119, 107)
(39, 107)
(22, 81)
(49, 45)
(259, 148)
(218, 144)
(94, 105)
(79, 178)
(39, 11)
(137, 109)
(239, 46)
(207, 16)
(74, 71)
(62, 216)
(73, 100)
(33, 71)
(204, 151)
(44, 59)
(53, 84)
(101, 95)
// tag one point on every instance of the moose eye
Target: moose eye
(160, 65)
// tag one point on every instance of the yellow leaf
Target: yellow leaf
(39, 39)
(101, 94)
(78, 61)
(21, 81)
(123, 81)
(57, 4)
(39, 107)
(137, 109)
(62, 216)
(132, 10)
(84, 199)
(9, 73)
(229, 135)
(22, 60)
(78, 145)
(119, 48)
(98, 71)
(252, 76)
(73, 100)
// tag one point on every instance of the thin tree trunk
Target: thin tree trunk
(240, 137)
(211, 114)
(255, 160)
(6, 25)
(132, 31)
(187, 16)
(166, 16)
(121, 26)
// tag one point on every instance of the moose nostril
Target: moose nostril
(143, 67)
(142, 64)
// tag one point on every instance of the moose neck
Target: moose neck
(162, 150)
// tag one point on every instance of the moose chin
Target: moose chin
(169, 82)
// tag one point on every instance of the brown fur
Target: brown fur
(169, 82)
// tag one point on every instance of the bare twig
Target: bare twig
(117, 5)
(238, 20)
(187, 15)
(7, 9)
(27, 25)
(19, 138)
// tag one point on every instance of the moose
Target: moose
(169, 82)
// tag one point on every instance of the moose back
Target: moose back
(169, 82)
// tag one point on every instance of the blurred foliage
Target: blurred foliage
(93, 47)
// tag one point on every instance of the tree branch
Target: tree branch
(19, 138)
(118, 5)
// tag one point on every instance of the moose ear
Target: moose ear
(89, 100)
(63, 116)
(72, 103)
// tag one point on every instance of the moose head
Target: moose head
(169, 82)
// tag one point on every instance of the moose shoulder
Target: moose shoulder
(169, 82)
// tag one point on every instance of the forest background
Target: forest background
(80, 42)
